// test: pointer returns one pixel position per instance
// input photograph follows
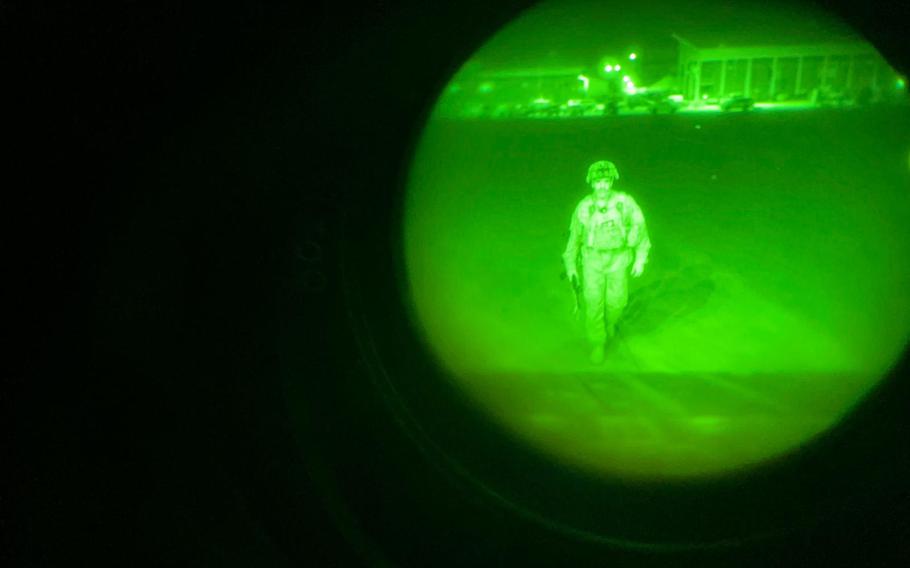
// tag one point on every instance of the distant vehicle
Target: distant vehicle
(502, 111)
(740, 102)
(654, 102)
(584, 107)
(637, 100)
(542, 108)
(610, 106)
(833, 99)
(664, 105)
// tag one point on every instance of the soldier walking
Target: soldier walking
(607, 237)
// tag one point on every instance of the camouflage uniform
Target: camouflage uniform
(608, 236)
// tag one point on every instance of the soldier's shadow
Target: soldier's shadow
(677, 291)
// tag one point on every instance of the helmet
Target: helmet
(602, 169)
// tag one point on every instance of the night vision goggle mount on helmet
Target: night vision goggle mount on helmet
(602, 169)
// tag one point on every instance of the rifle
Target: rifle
(576, 293)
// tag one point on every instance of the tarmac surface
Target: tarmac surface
(773, 301)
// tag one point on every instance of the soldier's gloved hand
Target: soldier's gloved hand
(637, 269)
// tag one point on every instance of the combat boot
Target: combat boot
(611, 331)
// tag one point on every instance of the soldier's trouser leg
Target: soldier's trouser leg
(617, 296)
(606, 291)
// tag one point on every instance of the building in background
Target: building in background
(526, 84)
(824, 69)
(803, 68)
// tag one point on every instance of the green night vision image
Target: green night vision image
(666, 241)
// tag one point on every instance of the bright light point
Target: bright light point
(585, 81)
(541, 101)
(704, 97)
(573, 102)
(901, 84)
(626, 78)
(618, 67)
(608, 68)
(676, 98)
(632, 56)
